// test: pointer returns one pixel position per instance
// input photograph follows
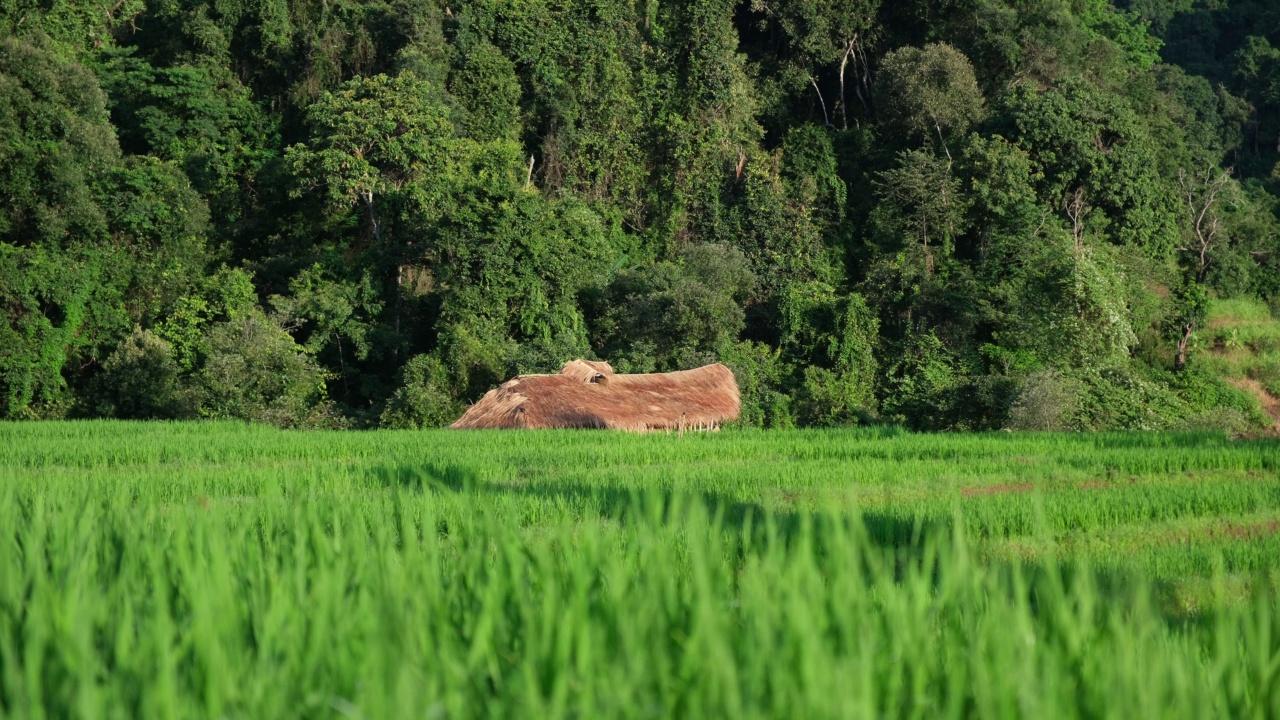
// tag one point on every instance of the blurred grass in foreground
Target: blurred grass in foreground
(222, 570)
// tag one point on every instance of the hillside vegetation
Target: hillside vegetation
(947, 214)
(1244, 341)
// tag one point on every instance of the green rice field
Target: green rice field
(231, 571)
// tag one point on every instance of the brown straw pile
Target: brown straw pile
(586, 394)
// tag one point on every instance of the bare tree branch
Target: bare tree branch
(1202, 199)
(826, 120)
(1076, 210)
(844, 61)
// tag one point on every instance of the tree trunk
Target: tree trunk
(371, 215)
(1184, 343)
(844, 106)
(826, 119)
(864, 78)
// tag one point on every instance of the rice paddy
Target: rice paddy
(223, 570)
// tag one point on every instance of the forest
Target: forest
(943, 214)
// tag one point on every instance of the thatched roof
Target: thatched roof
(587, 394)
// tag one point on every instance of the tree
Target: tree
(198, 116)
(60, 278)
(668, 316)
(834, 338)
(486, 85)
(921, 383)
(379, 144)
(1202, 198)
(828, 32)
(1125, 28)
(79, 24)
(1190, 306)
(58, 150)
(432, 196)
(383, 151)
(922, 198)
(140, 380)
(928, 93)
(425, 399)
(1257, 67)
(1097, 163)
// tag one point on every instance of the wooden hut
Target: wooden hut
(587, 394)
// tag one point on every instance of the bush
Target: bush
(1203, 391)
(921, 386)
(424, 399)
(762, 376)
(255, 371)
(546, 354)
(1229, 420)
(829, 399)
(832, 337)
(1048, 400)
(1267, 373)
(665, 315)
(1116, 398)
(1120, 398)
(139, 381)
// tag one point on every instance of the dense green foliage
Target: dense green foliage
(943, 214)
(224, 570)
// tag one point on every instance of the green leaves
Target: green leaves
(253, 370)
(928, 94)
(89, 244)
(1091, 142)
(478, 182)
(1124, 28)
(199, 116)
(486, 85)
(58, 148)
(375, 140)
(425, 399)
(921, 200)
(46, 295)
(669, 316)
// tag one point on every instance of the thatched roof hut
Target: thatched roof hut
(587, 394)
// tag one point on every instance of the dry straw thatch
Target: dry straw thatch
(587, 394)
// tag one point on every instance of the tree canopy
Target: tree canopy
(970, 214)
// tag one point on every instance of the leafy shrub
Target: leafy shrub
(1117, 398)
(762, 377)
(140, 380)
(920, 387)
(1202, 390)
(982, 402)
(828, 399)
(547, 354)
(255, 371)
(928, 90)
(1267, 372)
(665, 315)
(1048, 400)
(1228, 420)
(424, 399)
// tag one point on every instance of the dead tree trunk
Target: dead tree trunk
(826, 119)
(1184, 344)
(844, 62)
(1076, 209)
(1202, 197)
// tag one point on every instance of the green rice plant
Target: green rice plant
(226, 570)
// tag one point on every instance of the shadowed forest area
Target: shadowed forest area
(948, 214)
